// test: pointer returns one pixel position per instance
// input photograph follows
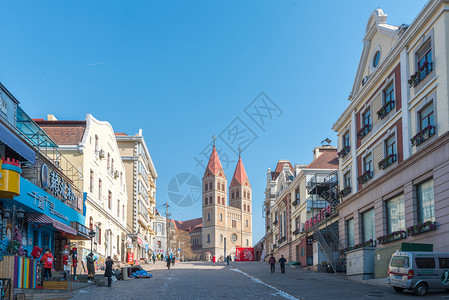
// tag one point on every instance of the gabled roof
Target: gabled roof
(63, 132)
(279, 168)
(193, 225)
(240, 173)
(214, 164)
(327, 160)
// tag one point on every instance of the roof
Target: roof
(214, 164)
(120, 133)
(280, 167)
(240, 173)
(63, 132)
(326, 160)
(193, 225)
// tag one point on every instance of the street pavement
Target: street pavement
(248, 280)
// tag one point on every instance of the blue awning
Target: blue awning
(7, 137)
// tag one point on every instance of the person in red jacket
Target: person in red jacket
(213, 259)
(47, 258)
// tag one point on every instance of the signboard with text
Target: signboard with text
(244, 254)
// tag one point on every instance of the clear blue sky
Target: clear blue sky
(184, 70)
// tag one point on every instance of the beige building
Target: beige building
(91, 148)
(225, 226)
(141, 186)
(394, 140)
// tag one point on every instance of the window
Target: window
(234, 224)
(159, 244)
(218, 186)
(121, 179)
(222, 187)
(205, 187)
(205, 201)
(232, 195)
(248, 208)
(112, 165)
(218, 200)
(396, 214)
(108, 163)
(347, 179)
(91, 223)
(297, 200)
(100, 199)
(424, 58)
(426, 117)
(368, 163)
(109, 199)
(350, 232)
(237, 194)
(443, 262)
(208, 238)
(244, 207)
(425, 262)
(247, 242)
(118, 208)
(96, 144)
(208, 216)
(210, 186)
(244, 194)
(211, 200)
(223, 200)
(248, 194)
(400, 261)
(390, 146)
(297, 223)
(221, 217)
(376, 59)
(346, 140)
(389, 94)
(246, 223)
(366, 117)
(91, 182)
(426, 206)
(368, 229)
(123, 212)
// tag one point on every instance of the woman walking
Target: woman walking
(168, 262)
(90, 267)
(108, 271)
(47, 258)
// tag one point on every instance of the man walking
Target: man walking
(271, 262)
(282, 262)
(90, 260)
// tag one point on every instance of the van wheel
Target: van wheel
(398, 289)
(421, 289)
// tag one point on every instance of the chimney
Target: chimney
(51, 117)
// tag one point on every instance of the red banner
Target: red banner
(130, 257)
(244, 254)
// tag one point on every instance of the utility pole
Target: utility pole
(167, 219)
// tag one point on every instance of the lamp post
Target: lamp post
(92, 234)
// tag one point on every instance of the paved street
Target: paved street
(250, 280)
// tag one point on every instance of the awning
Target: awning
(44, 219)
(7, 137)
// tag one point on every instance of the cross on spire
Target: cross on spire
(240, 151)
(214, 138)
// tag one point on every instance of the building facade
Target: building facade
(393, 136)
(141, 187)
(91, 147)
(226, 223)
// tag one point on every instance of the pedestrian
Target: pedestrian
(271, 262)
(173, 261)
(213, 259)
(154, 258)
(47, 258)
(90, 267)
(108, 271)
(168, 259)
(228, 258)
(282, 262)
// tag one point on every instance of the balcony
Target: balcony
(387, 161)
(344, 151)
(296, 232)
(423, 135)
(419, 75)
(296, 202)
(385, 110)
(275, 222)
(365, 177)
(281, 240)
(364, 131)
(346, 191)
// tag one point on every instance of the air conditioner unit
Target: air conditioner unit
(302, 227)
(101, 153)
(116, 174)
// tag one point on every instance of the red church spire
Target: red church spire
(214, 164)
(240, 173)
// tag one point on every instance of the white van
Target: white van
(419, 271)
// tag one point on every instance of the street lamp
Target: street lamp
(92, 234)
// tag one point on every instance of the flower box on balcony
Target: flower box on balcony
(387, 161)
(419, 75)
(345, 191)
(296, 232)
(365, 177)
(344, 151)
(275, 222)
(391, 237)
(364, 131)
(296, 202)
(370, 243)
(282, 239)
(385, 110)
(421, 228)
(423, 135)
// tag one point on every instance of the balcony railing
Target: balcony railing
(423, 135)
(365, 177)
(344, 151)
(282, 239)
(296, 202)
(364, 131)
(345, 191)
(385, 110)
(296, 232)
(387, 161)
(419, 75)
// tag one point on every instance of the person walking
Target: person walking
(154, 258)
(108, 271)
(173, 259)
(47, 258)
(228, 258)
(213, 259)
(271, 262)
(90, 267)
(282, 262)
(168, 262)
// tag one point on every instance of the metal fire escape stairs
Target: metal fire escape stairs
(323, 188)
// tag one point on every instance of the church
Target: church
(226, 221)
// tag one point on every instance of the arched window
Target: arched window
(91, 223)
(205, 201)
(112, 165)
(247, 242)
(248, 194)
(96, 144)
(208, 238)
(244, 194)
(211, 200)
(208, 216)
(244, 207)
(222, 187)
(237, 194)
(232, 195)
(221, 238)
(248, 208)
(108, 165)
(246, 223)
(218, 186)
(223, 200)
(218, 200)
(221, 217)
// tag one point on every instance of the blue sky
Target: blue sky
(185, 70)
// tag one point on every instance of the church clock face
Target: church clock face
(234, 238)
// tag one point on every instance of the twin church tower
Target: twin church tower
(227, 217)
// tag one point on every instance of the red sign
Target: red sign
(139, 241)
(130, 257)
(244, 254)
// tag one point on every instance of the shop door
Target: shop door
(60, 242)
(122, 251)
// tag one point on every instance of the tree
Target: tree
(181, 240)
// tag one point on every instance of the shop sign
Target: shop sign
(42, 202)
(56, 184)
(321, 215)
(139, 241)
(81, 229)
(130, 257)
(130, 242)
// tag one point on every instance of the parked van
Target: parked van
(419, 271)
